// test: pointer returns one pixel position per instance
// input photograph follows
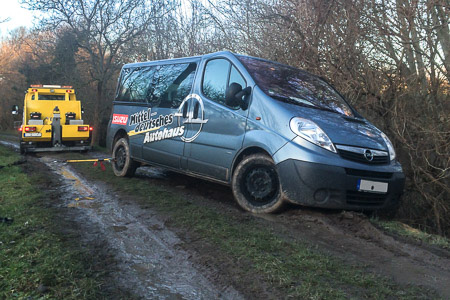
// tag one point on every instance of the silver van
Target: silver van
(272, 132)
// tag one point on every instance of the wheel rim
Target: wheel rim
(260, 185)
(121, 158)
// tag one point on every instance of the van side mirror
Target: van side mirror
(15, 110)
(234, 94)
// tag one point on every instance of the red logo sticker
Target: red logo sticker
(119, 119)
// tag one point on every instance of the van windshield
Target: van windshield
(295, 86)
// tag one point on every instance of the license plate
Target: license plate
(372, 186)
(32, 134)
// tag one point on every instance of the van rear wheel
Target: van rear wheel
(256, 185)
(123, 165)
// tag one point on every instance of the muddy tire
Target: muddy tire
(256, 185)
(123, 165)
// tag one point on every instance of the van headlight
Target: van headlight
(389, 145)
(311, 132)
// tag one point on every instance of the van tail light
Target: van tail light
(91, 128)
(30, 129)
(83, 128)
(20, 128)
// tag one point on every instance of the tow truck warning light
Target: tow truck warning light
(30, 129)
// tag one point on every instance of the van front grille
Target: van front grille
(359, 155)
(365, 199)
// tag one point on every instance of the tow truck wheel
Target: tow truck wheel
(123, 165)
(256, 185)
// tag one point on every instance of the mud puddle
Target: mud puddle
(14, 145)
(151, 262)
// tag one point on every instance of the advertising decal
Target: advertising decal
(146, 121)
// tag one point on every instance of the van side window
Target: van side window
(235, 76)
(134, 84)
(159, 86)
(171, 84)
(215, 79)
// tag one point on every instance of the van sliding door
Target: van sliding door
(164, 130)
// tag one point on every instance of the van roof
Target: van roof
(176, 60)
(198, 57)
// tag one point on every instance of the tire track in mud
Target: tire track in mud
(151, 263)
(352, 237)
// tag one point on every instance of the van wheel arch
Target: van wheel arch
(246, 152)
(121, 133)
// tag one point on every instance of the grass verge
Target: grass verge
(404, 230)
(293, 268)
(35, 260)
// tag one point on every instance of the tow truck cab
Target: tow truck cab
(52, 120)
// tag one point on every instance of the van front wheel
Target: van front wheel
(256, 185)
(123, 165)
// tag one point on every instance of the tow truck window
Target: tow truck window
(50, 97)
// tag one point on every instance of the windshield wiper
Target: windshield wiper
(292, 101)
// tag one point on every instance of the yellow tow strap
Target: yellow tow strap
(88, 160)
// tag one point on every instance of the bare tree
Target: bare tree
(102, 29)
(390, 58)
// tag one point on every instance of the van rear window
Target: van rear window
(292, 85)
(159, 86)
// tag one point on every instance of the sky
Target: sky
(18, 16)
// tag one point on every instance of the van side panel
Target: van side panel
(121, 120)
(213, 151)
(216, 135)
(267, 125)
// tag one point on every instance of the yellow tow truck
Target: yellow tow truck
(52, 120)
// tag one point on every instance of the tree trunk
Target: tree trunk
(440, 19)
(406, 39)
(97, 109)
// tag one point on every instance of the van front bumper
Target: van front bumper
(320, 185)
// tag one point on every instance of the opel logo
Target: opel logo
(368, 155)
(198, 121)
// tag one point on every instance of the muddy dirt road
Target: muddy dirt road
(154, 262)
(151, 265)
